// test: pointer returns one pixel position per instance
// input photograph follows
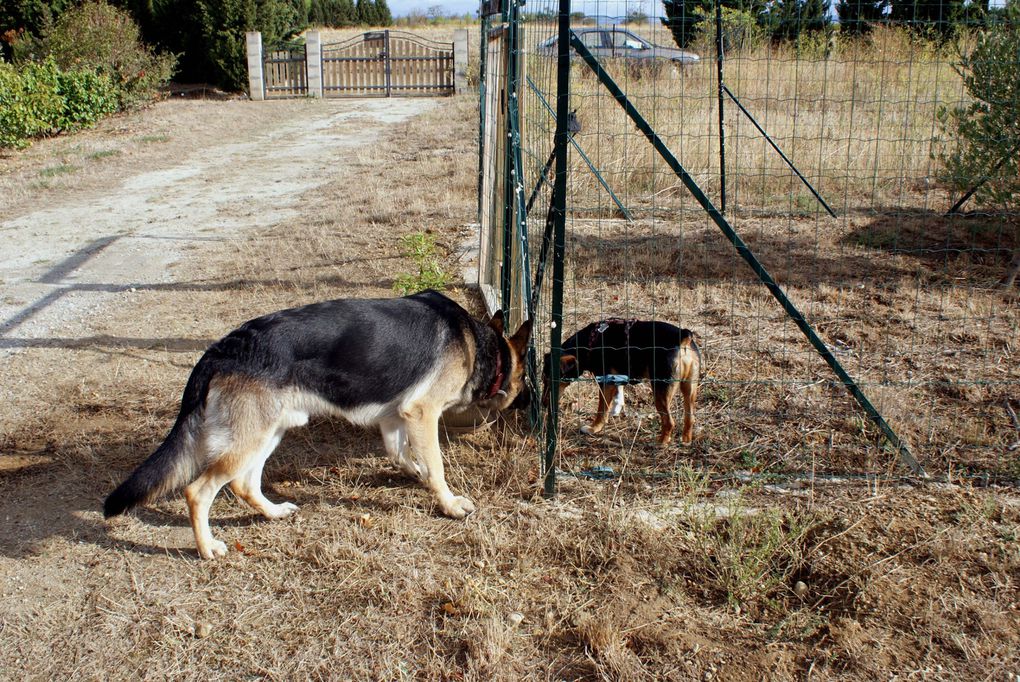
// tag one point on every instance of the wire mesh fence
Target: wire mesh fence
(835, 152)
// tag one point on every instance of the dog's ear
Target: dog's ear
(497, 322)
(568, 366)
(520, 337)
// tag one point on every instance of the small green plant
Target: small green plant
(750, 554)
(103, 154)
(60, 169)
(421, 249)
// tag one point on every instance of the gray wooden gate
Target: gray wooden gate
(285, 70)
(386, 64)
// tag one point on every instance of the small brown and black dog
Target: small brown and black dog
(620, 352)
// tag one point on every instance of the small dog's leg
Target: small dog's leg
(607, 395)
(394, 436)
(618, 403)
(690, 393)
(423, 429)
(248, 486)
(664, 394)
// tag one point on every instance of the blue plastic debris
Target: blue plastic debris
(618, 379)
(599, 473)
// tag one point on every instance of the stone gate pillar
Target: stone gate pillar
(253, 40)
(460, 60)
(313, 63)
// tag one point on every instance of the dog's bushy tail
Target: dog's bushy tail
(177, 461)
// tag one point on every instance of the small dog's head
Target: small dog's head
(569, 369)
(516, 393)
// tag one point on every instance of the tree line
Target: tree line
(208, 36)
(786, 20)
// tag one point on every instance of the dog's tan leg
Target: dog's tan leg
(664, 394)
(422, 426)
(238, 432)
(200, 495)
(607, 394)
(248, 486)
(689, 389)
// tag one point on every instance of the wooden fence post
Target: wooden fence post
(313, 63)
(253, 40)
(460, 60)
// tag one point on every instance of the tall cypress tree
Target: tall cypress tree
(382, 13)
(684, 19)
(365, 11)
(936, 18)
(688, 19)
(787, 19)
(858, 17)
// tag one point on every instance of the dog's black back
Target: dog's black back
(639, 349)
(350, 352)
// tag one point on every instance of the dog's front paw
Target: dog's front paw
(458, 507)
(590, 430)
(216, 548)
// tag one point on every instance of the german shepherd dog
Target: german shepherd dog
(398, 363)
(620, 351)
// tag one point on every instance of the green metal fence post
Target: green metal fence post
(719, 84)
(559, 216)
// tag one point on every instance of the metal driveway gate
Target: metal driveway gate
(385, 64)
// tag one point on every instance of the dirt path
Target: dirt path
(62, 259)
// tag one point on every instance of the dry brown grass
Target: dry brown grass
(859, 124)
(675, 578)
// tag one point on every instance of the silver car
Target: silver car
(618, 42)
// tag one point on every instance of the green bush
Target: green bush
(982, 144)
(26, 106)
(98, 37)
(39, 99)
(87, 96)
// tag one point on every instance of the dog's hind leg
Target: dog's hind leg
(422, 426)
(248, 485)
(689, 389)
(239, 415)
(394, 436)
(664, 393)
(607, 396)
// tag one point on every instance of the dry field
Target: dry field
(682, 576)
(905, 298)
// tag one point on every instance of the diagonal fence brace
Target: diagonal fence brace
(778, 150)
(577, 148)
(747, 255)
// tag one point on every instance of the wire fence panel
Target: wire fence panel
(835, 151)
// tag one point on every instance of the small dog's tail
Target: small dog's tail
(177, 461)
(689, 352)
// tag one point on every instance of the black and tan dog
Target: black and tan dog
(620, 351)
(398, 363)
